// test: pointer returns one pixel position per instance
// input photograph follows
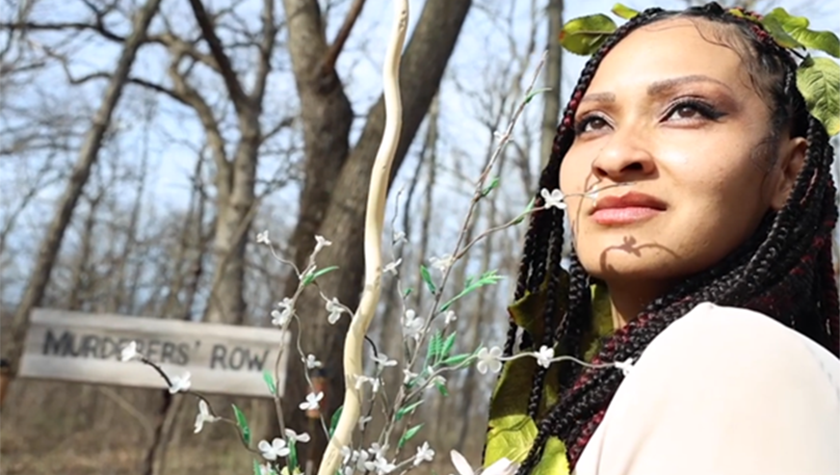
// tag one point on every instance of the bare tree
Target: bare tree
(87, 158)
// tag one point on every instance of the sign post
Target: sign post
(85, 348)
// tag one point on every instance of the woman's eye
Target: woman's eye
(685, 112)
(591, 124)
(693, 110)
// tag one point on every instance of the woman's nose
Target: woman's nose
(624, 158)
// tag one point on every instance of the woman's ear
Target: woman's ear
(791, 160)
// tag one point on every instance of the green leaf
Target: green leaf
(494, 183)
(408, 435)
(293, 456)
(407, 292)
(456, 359)
(242, 423)
(531, 95)
(427, 278)
(586, 34)
(797, 28)
(623, 11)
(442, 389)
(269, 381)
(777, 31)
(407, 409)
(528, 209)
(819, 83)
(447, 345)
(435, 345)
(257, 470)
(334, 420)
(314, 275)
(488, 278)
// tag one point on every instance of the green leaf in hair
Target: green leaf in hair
(623, 11)
(797, 28)
(586, 34)
(818, 79)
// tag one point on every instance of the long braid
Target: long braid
(783, 270)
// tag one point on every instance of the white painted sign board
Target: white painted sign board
(85, 348)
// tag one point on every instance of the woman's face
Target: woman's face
(676, 115)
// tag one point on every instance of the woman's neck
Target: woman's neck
(628, 299)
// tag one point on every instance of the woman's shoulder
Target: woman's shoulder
(744, 350)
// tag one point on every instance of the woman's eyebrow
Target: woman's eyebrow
(658, 88)
(667, 85)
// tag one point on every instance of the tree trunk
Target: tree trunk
(553, 77)
(422, 68)
(48, 250)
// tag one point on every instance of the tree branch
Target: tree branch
(343, 34)
(241, 101)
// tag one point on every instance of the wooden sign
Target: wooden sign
(85, 348)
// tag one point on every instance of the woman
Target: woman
(713, 258)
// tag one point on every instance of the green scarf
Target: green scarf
(511, 432)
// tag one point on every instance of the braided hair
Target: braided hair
(783, 270)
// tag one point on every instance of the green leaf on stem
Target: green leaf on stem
(456, 359)
(334, 420)
(427, 278)
(797, 28)
(407, 292)
(242, 423)
(525, 213)
(531, 95)
(269, 381)
(494, 183)
(446, 348)
(408, 435)
(408, 409)
(293, 456)
(310, 277)
(819, 82)
(257, 469)
(488, 278)
(435, 345)
(623, 11)
(586, 34)
(441, 388)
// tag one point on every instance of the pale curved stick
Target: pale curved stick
(374, 219)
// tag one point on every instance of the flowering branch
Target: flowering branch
(375, 216)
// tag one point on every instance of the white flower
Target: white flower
(262, 238)
(442, 263)
(449, 317)
(408, 376)
(377, 450)
(544, 356)
(203, 416)
(554, 198)
(489, 360)
(392, 267)
(382, 360)
(398, 237)
(424, 454)
(277, 448)
(320, 243)
(503, 466)
(624, 366)
(179, 383)
(381, 465)
(312, 402)
(374, 383)
(280, 318)
(347, 454)
(412, 324)
(363, 422)
(292, 435)
(311, 362)
(336, 309)
(361, 457)
(129, 352)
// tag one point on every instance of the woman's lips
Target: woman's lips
(629, 208)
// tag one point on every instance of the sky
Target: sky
(482, 51)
